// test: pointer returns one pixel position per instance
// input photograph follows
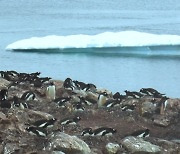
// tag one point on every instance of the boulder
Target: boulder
(60, 141)
(137, 145)
(4, 83)
(147, 108)
(58, 152)
(112, 148)
(10, 148)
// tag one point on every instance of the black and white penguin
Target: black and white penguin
(112, 103)
(45, 123)
(84, 101)
(78, 107)
(151, 92)
(141, 133)
(39, 131)
(102, 99)
(61, 101)
(104, 131)
(117, 96)
(45, 79)
(28, 95)
(70, 121)
(128, 107)
(79, 85)
(90, 87)
(3, 94)
(133, 94)
(51, 91)
(68, 84)
(35, 74)
(87, 132)
(17, 102)
(161, 105)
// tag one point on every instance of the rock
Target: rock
(67, 144)
(168, 146)
(173, 104)
(39, 114)
(176, 141)
(2, 116)
(139, 146)
(162, 122)
(58, 152)
(10, 148)
(147, 108)
(91, 97)
(4, 83)
(112, 148)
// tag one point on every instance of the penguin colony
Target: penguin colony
(76, 102)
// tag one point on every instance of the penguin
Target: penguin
(161, 106)
(68, 84)
(104, 131)
(17, 102)
(150, 92)
(35, 74)
(14, 73)
(128, 107)
(3, 94)
(28, 95)
(112, 103)
(5, 75)
(70, 121)
(84, 101)
(45, 123)
(78, 107)
(141, 133)
(51, 91)
(62, 100)
(133, 94)
(38, 131)
(102, 99)
(79, 85)
(87, 132)
(117, 96)
(90, 87)
(44, 80)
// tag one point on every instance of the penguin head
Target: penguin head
(53, 119)
(114, 130)
(141, 90)
(51, 84)
(29, 128)
(76, 119)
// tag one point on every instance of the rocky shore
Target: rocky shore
(41, 115)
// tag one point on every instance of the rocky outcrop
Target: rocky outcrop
(67, 144)
(112, 148)
(139, 146)
(4, 83)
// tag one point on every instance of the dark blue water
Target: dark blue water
(22, 19)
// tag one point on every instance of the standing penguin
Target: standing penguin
(102, 99)
(51, 91)
(3, 94)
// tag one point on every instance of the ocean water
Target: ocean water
(114, 68)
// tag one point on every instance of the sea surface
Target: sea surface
(114, 68)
